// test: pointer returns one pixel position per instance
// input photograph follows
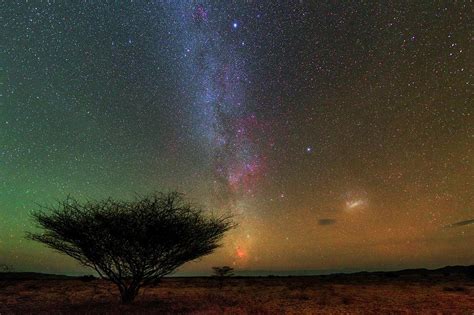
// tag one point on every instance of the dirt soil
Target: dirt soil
(271, 295)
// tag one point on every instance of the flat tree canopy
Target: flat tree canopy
(223, 272)
(131, 243)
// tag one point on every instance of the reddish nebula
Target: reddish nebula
(240, 252)
(200, 14)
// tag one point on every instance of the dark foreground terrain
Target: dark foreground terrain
(444, 291)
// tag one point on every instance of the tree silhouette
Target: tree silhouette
(131, 243)
(222, 272)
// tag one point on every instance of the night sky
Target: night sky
(340, 135)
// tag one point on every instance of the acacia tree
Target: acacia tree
(131, 243)
(223, 272)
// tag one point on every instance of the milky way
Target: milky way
(340, 135)
(216, 87)
(216, 81)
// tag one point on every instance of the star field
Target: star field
(341, 136)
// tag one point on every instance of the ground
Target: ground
(266, 295)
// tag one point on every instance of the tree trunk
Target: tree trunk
(129, 294)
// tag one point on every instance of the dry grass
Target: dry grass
(293, 295)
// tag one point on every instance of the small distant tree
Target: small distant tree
(131, 243)
(222, 273)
